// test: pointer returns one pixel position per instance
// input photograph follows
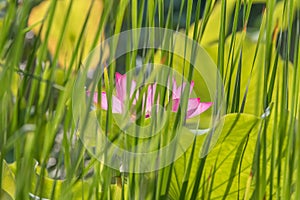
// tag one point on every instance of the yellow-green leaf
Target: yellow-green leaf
(73, 29)
(8, 182)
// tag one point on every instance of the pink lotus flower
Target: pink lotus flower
(194, 107)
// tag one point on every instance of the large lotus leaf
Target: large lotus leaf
(252, 83)
(212, 27)
(275, 145)
(62, 189)
(230, 166)
(76, 190)
(245, 47)
(229, 161)
(78, 13)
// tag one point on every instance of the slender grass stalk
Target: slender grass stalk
(221, 48)
(295, 103)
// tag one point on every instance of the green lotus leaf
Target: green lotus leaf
(227, 164)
